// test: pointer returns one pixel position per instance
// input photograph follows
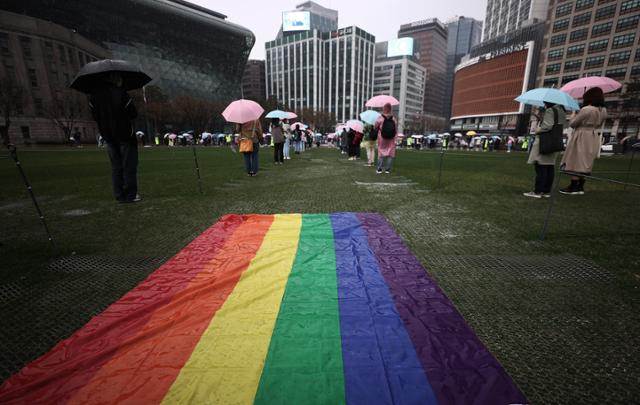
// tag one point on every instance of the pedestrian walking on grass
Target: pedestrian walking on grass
(545, 164)
(113, 110)
(386, 125)
(583, 146)
(369, 144)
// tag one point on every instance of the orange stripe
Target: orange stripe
(147, 364)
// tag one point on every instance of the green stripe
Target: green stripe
(304, 363)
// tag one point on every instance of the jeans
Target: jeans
(386, 162)
(124, 164)
(278, 152)
(544, 178)
(251, 159)
(287, 150)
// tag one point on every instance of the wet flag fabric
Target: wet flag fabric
(276, 309)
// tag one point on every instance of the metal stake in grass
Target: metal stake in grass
(440, 169)
(633, 153)
(195, 158)
(14, 155)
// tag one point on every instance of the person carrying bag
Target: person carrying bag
(544, 158)
(250, 136)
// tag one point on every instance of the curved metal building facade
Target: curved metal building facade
(187, 49)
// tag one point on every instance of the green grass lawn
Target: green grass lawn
(561, 314)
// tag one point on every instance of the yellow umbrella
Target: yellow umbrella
(472, 133)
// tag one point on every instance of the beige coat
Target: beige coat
(584, 143)
(251, 130)
(546, 125)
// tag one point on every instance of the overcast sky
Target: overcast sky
(380, 18)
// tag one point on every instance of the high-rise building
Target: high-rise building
(398, 74)
(594, 38)
(322, 71)
(430, 38)
(504, 16)
(308, 16)
(253, 82)
(463, 34)
(491, 77)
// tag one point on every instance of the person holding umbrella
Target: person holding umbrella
(545, 163)
(278, 141)
(113, 110)
(386, 125)
(107, 81)
(583, 145)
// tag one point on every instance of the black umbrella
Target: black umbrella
(94, 73)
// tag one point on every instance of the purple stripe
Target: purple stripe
(381, 365)
(460, 369)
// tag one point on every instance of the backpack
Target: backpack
(388, 129)
(373, 134)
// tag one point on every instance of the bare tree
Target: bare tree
(629, 114)
(66, 109)
(12, 100)
(193, 112)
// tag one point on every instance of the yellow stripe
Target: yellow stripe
(227, 363)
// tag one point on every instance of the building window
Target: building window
(594, 73)
(571, 65)
(627, 23)
(598, 46)
(619, 58)
(550, 82)
(553, 68)
(605, 12)
(558, 39)
(601, 29)
(637, 58)
(605, 1)
(560, 25)
(623, 40)
(37, 102)
(616, 73)
(594, 61)
(629, 6)
(582, 4)
(63, 55)
(564, 9)
(581, 19)
(635, 71)
(567, 79)
(555, 54)
(26, 135)
(33, 79)
(579, 35)
(4, 43)
(48, 50)
(25, 42)
(575, 50)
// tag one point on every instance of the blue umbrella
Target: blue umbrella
(538, 97)
(277, 114)
(369, 116)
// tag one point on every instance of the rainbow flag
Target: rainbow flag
(276, 309)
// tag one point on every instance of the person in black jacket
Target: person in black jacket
(113, 110)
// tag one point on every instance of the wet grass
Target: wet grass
(560, 314)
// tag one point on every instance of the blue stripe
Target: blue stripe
(380, 363)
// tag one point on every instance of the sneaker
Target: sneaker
(570, 191)
(135, 199)
(378, 171)
(532, 194)
(546, 195)
(387, 171)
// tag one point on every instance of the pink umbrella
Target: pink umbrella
(291, 115)
(577, 88)
(241, 111)
(380, 101)
(356, 125)
(298, 125)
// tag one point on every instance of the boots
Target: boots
(573, 189)
(581, 185)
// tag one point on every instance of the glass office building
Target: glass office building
(187, 49)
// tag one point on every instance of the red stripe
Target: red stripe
(57, 375)
(146, 366)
